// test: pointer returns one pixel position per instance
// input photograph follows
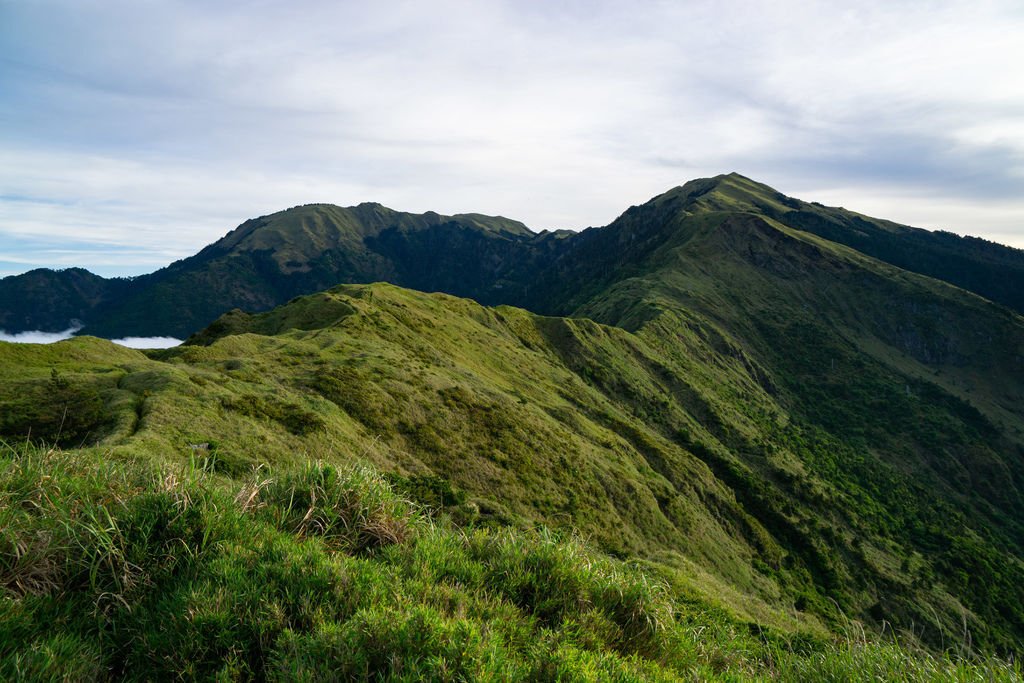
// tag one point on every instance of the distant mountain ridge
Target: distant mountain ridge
(268, 260)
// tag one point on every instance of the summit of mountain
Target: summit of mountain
(308, 230)
(986, 268)
(600, 257)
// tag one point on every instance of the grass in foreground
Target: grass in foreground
(114, 570)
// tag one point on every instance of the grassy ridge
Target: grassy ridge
(119, 569)
(674, 443)
(794, 428)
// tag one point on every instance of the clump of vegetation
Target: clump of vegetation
(354, 509)
(112, 569)
(430, 491)
(56, 410)
(292, 417)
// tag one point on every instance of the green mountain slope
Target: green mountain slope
(675, 442)
(899, 375)
(772, 421)
(991, 270)
(268, 260)
(600, 256)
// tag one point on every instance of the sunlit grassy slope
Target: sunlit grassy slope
(671, 443)
(121, 569)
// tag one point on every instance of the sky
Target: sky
(135, 132)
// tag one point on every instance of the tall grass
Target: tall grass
(119, 570)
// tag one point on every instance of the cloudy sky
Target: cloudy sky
(134, 132)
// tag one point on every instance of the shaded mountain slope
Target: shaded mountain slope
(53, 300)
(266, 261)
(601, 256)
(269, 260)
(991, 270)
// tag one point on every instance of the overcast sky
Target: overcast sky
(134, 132)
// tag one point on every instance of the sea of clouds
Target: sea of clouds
(37, 337)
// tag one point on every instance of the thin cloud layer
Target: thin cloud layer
(147, 342)
(135, 133)
(37, 337)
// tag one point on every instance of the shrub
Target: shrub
(353, 509)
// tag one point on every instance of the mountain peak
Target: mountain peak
(729, 192)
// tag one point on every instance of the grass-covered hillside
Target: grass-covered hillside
(114, 568)
(788, 451)
(907, 391)
(671, 444)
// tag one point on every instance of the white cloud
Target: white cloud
(147, 342)
(37, 337)
(161, 125)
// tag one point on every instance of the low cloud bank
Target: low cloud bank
(147, 342)
(38, 337)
